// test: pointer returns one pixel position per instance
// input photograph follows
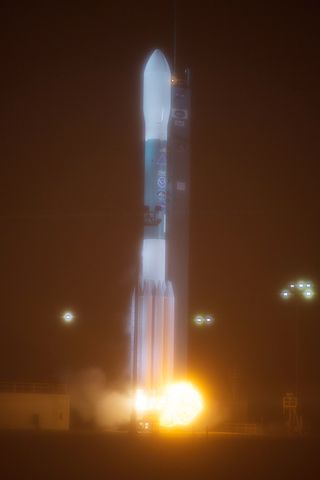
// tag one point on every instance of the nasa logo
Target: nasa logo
(162, 182)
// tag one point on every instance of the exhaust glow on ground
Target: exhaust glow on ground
(178, 405)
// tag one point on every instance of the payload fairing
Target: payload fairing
(154, 325)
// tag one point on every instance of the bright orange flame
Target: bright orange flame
(178, 405)
(182, 404)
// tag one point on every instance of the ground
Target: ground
(120, 456)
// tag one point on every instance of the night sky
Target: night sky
(71, 179)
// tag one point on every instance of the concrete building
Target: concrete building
(34, 406)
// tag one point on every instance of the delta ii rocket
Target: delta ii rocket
(153, 321)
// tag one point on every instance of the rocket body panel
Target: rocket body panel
(155, 188)
(154, 344)
(158, 334)
(178, 216)
(154, 259)
(169, 333)
(144, 333)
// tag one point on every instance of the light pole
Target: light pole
(303, 290)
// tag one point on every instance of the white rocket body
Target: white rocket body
(152, 319)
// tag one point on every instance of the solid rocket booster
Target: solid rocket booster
(152, 319)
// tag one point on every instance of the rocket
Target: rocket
(152, 312)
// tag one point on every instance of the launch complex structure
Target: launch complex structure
(159, 313)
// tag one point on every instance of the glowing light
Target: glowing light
(285, 294)
(146, 403)
(301, 288)
(204, 319)
(209, 319)
(182, 403)
(178, 405)
(308, 293)
(68, 317)
(199, 320)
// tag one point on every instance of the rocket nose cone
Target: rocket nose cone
(157, 62)
(156, 96)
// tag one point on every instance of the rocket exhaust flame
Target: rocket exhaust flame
(177, 405)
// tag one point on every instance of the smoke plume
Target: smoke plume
(95, 402)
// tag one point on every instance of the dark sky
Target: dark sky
(71, 157)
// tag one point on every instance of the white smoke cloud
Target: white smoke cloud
(93, 401)
(112, 409)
